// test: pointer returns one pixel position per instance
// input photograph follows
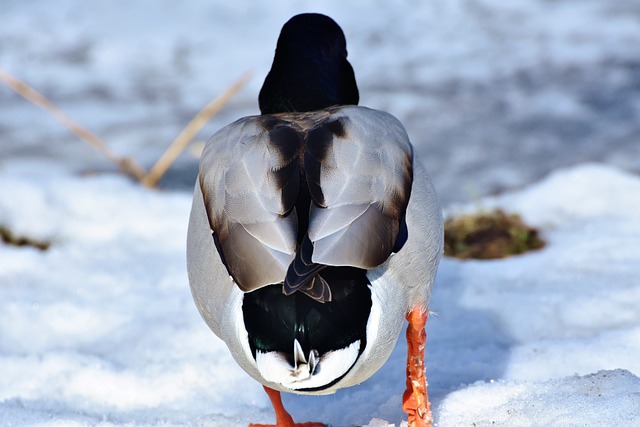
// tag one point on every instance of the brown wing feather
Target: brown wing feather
(247, 188)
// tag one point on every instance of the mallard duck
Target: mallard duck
(314, 230)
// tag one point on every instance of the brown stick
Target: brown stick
(191, 130)
(125, 164)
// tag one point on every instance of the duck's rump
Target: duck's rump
(274, 320)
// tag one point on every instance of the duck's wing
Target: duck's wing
(351, 168)
(243, 180)
(364, 177)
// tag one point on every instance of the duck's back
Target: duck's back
(340, 176)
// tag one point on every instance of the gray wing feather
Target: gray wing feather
(244, 205)
(366, 181)
(365, 242)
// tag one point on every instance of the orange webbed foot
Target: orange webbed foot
(283, 418)
(415, 401)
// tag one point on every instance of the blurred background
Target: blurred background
(493, 94)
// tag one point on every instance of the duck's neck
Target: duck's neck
(307, 83)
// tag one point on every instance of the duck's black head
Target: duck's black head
(310, 70)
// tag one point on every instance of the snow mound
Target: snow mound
(603, 398)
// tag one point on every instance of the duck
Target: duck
(315, 231)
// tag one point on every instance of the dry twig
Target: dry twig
(126, 164)
(191, 130)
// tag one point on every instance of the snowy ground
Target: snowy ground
(101, 329)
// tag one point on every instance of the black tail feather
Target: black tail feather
(304, 275)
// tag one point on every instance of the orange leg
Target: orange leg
(415, 400)
(283, 418)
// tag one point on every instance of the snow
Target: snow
(494, 94)
(545, 403)
(101, 330)
(538, 97)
